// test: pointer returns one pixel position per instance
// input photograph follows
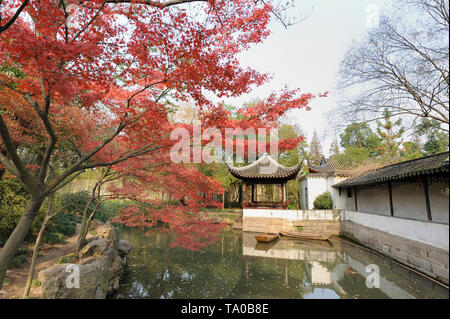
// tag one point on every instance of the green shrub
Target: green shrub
(53, 238)
(110, 209)
(21, 251)
(64, 224)
(75, 202)
(13, 199)
(18, 260)
(36, 283)
(323, 201)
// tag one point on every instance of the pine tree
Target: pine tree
(334, 148)
(391, 138)
(315, 150)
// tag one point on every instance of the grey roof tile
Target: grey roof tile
(434, 164)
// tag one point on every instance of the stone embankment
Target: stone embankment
(94, 273)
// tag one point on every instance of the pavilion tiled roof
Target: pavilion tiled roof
(434, 164)
(260, 170)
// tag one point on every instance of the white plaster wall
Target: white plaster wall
(293, 214)
(409, 201)
(319, 185)
(330, 182)
(425, 232)
(438, 193)
(349, 201)
(316, 186)
(339, 202)
(334, 197)
(374, 200)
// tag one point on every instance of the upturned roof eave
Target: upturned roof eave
(289, 172)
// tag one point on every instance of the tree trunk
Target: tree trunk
(49, 215)
(15, 240)
(34, 258)
(84, 230)
(83, 224)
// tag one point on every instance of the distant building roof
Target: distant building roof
(434, 164)
(329, 167)
(256, 170)
(333, 167)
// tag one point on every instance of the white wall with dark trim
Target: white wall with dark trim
(408, 201)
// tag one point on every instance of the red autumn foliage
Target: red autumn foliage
(88, 86)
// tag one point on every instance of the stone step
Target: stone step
(237, 225)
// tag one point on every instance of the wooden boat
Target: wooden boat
(299, 235)
(266, 238)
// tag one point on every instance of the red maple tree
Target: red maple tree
(86, 84)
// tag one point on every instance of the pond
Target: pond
(238, 267)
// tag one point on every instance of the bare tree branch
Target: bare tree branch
(14, 17)
(400, 66)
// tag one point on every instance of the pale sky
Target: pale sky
(307, 56)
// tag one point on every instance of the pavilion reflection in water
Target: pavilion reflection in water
(327, 264)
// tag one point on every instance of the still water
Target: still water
(238, 267)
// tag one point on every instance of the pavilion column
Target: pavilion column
(282, 194)
(253, 193)
(246, 195)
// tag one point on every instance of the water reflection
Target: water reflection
(238, 267)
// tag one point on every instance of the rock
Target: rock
(108, 232)
(96, 223)
(90, 237)
(100, 268)
(3, 292)
(117, 267)
(94, 248)
(88, 260)
(115, 284)
(54, 279)
(93, 281)
(52, 272)
(123, 247)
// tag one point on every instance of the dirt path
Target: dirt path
(16, 278)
